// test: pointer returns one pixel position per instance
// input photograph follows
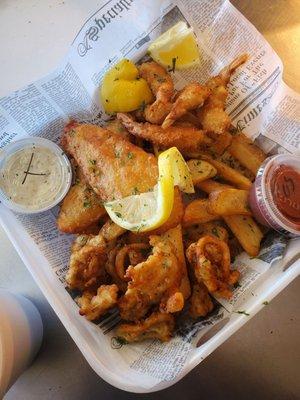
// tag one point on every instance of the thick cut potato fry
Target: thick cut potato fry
(201, 170)
(230, 174)
(246, 231)
(175, 238)
(210, 186)
(229, 202)
(80, 209)
(196, 213)
(246, 152)
(228, 159)
(214, 228)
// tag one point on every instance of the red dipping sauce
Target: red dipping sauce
(275, 195)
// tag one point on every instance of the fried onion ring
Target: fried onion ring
(135, 255)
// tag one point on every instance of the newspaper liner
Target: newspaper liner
(259, 103)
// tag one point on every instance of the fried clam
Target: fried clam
(155, 281)
(212, 115)
(94, 305)
(88, 258)
(200, 302)
(161, 85)
(189, 98)
(189, 140)
(210, 259)
(156, 326)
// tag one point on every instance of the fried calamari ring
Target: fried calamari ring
(210, 258)
(135, 253)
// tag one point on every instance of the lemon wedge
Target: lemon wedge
(123, 90)
(148, 211)
(176, 48)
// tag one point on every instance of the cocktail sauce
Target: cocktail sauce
(275, 195)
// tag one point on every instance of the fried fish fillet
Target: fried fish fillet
(112, 166)
(81, 208)
(157, 326)
(154, 281)
(187, 138)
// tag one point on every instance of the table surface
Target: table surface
(260, 361)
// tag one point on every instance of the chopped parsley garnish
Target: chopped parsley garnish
(135, 191)
(265, 303)
(215, 232)
(92, 162)
(86, 204)
(130, 155)
(242, 312)
(118, 214)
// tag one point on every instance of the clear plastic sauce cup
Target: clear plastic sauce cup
(35, 175)
(275, 195)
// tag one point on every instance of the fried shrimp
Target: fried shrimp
(210, 258)
(212, 115)
(187, 138)
(157, 326)
(191, 97)
(161, 85)
(94, 306)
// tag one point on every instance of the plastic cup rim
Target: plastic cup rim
(9, 149)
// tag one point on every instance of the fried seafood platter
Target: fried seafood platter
(157, 266)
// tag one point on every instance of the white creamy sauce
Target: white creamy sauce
(32, 177)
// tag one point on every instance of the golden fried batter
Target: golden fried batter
(191, 96)
(162, 87)
(151, 282)
(212, 115)
(210, 258)
(112, 166)
(201, 303)
(88, 258)
(94, 306)
(157, 326)
(188, 139)
(81, 207)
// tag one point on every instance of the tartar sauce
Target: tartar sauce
(33, 177)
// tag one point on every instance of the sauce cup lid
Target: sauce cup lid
(64, 164)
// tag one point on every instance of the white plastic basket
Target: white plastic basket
(96, 347)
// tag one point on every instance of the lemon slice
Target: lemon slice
(147, 211)
(176, 48)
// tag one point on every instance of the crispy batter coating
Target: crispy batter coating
(200, 302)
(94, 306)
(187, 138)
(151, 282)
(81, 207)
(191, 96)
(162, 87)
(157, 326)
(210, 258)
(112, 166)
(212, 115)
(88, 258)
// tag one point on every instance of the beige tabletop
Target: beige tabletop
(261, 361)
